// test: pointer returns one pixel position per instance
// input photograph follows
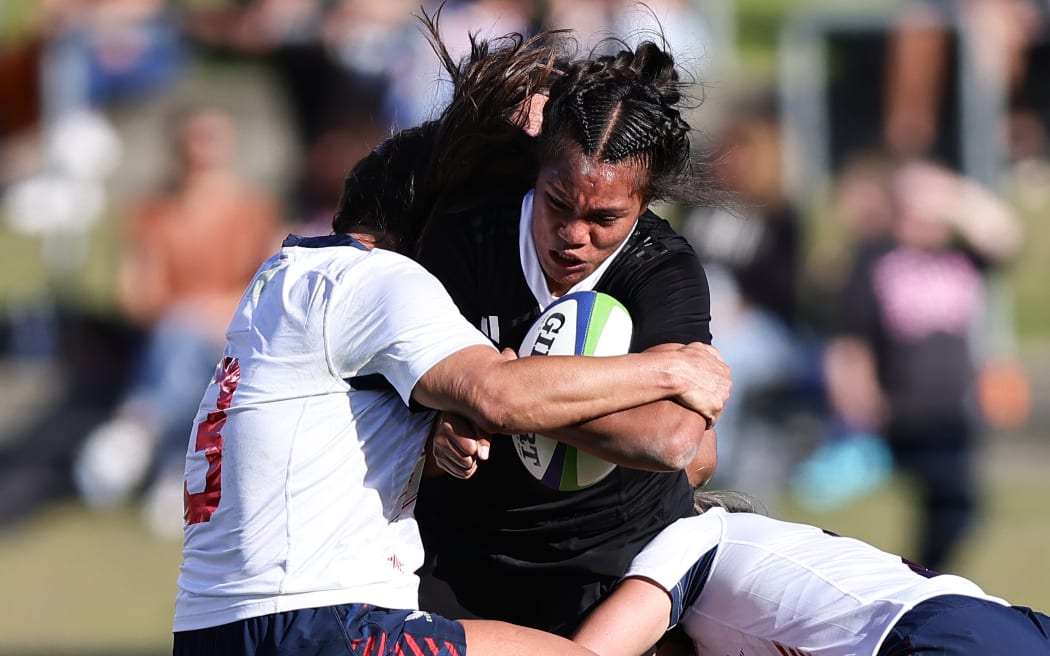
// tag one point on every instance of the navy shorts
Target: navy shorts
(957, 625)
(355, 629)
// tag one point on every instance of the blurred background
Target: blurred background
(878, 288)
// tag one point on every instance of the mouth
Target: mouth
(565, 260)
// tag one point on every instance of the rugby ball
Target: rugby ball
(580, 323)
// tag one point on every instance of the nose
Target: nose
(573, 232)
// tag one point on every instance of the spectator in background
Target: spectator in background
(901, 363)
(101, 52)
(679, 22)
(325, 58)
(91, 55)
(752, 257)
(173, 284)
(918, 61)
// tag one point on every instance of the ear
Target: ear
(529, 116)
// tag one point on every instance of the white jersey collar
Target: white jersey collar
(530, 263)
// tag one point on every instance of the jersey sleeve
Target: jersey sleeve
(669, 302)
(395, 320)
(679, 560)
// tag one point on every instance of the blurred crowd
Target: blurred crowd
(129, 114)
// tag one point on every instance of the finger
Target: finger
(463, 473)
(464, 446)
(458, 467)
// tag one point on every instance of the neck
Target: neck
(367, 240)
(375, 238)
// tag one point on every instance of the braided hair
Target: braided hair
(627, 108)
(624, 107)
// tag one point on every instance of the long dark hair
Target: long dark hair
(473, 153)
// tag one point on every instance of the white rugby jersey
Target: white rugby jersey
(302, 466)
(744, 583)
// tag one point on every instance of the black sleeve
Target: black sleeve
(668, 300)
(676, 306)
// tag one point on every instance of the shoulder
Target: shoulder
(652, 240)
(685, 541)
(655, 254)
(348, 264)
(391, 272)
(659, 272)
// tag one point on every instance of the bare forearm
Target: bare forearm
(543, 394)
(629, 622)
(538, 394)
(853, 387)
(660, 436)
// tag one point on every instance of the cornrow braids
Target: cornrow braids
(627, 107)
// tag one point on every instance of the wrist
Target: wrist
(672, 379)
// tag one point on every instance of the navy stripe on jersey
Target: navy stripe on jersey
(323, 241)
(685, 593)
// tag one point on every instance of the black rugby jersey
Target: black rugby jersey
(510, 547)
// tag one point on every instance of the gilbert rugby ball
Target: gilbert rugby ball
(580, 323)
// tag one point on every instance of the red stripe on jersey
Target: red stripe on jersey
(382, 643)
(788, 651)
(451, 648)
(411, 642)
(369, 644)
(432, 645)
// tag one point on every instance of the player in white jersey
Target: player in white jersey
(742, 583)
(303, 463)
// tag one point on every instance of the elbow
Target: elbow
(679, 448)
(693, 449)
(683, 455)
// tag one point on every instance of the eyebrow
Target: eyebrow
(558, 192)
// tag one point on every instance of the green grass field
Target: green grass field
(83, 583)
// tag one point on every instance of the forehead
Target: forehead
(579, 175)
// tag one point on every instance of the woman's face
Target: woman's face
(582, 211)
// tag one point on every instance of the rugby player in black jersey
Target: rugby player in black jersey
(612, 140)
